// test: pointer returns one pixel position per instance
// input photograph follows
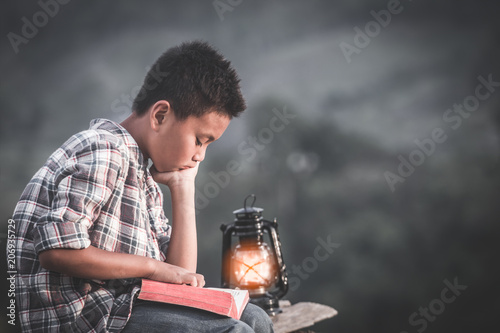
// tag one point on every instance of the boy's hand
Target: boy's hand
(164, 272)
(175, 178)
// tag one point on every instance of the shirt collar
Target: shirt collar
(120, 131)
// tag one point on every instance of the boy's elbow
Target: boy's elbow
(66, 261)
(49, 259)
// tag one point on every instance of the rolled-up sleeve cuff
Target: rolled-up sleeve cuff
(65, 235)
(163, 243)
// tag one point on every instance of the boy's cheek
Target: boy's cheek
(157, 166)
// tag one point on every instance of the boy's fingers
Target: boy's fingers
(192, 280)
(197, 280)
(201, 280)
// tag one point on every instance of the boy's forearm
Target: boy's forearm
(182, 250)
(94, 263)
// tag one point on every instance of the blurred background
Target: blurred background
(373, 151)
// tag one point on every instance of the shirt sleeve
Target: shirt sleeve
(83, 186)
(161, 227)
(164, 233)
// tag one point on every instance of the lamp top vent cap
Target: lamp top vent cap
(249, 212)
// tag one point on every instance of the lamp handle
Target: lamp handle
(245, 201)
(272, 228)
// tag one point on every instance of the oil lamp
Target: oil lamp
(248, 262)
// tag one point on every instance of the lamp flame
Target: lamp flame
(252, 266)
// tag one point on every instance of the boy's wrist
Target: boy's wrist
(151, 267)
(183, 200)
(181, 185)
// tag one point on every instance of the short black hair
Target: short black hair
(195, 79)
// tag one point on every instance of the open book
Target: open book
(226, 302)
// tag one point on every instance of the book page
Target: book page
(240, 296)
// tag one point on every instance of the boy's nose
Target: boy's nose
(199, 156)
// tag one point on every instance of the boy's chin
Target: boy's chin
(170, 168)
(163, 169)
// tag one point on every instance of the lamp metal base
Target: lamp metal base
(267, 303)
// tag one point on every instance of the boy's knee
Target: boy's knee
(257, 319)
(240, 327)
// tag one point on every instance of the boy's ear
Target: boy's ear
(159, 113)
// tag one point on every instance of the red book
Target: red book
(226, 302)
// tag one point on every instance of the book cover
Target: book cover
(226, 302)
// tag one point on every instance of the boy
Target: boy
(90, 223)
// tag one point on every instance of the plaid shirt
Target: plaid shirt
(95, 190)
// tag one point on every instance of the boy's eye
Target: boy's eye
(198, 142)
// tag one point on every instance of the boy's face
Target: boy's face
(180, 144)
